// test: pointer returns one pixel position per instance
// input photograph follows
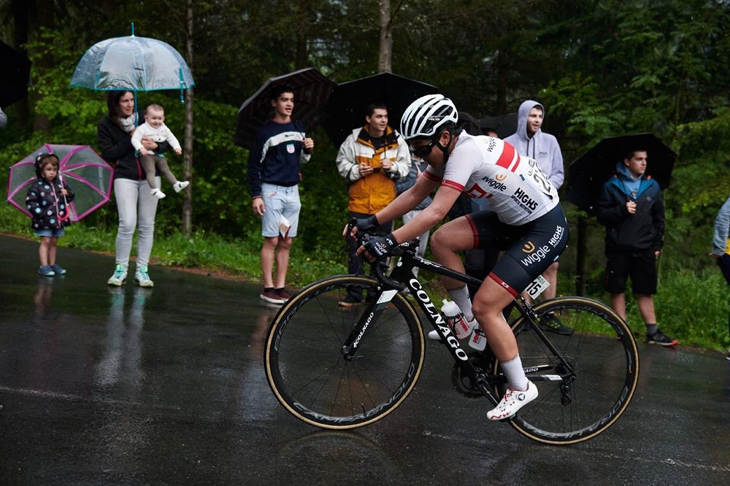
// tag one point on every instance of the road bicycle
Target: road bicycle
(344, 367)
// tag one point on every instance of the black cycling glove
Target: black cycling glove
(366, 224)
(380, 245)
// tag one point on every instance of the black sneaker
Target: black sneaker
(661, 339)
(551, 323)
(727, 356)
(349, 301)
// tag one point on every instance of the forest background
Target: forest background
(601, 68)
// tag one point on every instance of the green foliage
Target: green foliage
(601, 67)
(692, 307)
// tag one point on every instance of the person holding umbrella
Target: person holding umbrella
(278, 149)
(371, 159)
(47, 200)
(631, 208)
(136, 205)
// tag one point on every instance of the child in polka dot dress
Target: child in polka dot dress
(47, 200)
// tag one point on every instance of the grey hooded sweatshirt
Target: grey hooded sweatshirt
(542, 147)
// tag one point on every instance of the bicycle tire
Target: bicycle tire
(306, 369)
(602, 352)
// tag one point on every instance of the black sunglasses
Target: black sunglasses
(422, 151)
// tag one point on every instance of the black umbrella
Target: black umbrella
(348, 104)
(15, 76)
(504, 125)
(311, 91)
(588, 173)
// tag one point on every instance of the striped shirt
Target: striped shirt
(276, 155)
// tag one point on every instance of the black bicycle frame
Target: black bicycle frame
(403, 275)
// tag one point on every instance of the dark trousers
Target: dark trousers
(724, 263)
(354, 263)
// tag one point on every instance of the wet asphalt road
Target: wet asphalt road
(166, 386)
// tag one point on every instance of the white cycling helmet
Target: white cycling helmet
(426, 115)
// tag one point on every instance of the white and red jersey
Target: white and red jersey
(486, 167)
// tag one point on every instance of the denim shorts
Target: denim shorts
(279, 201)
(50, 232)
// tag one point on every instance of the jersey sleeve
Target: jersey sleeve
(461, 165)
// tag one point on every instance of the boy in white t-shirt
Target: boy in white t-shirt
(155, 129)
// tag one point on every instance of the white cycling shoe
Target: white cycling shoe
(512, 402)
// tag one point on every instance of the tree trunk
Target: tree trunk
(20, 36)
(385, 55)
(46, 18)
(502, 70)
(187, 210)
(580, 268)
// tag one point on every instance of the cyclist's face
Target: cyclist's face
(426, 149)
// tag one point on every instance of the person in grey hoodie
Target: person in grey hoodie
(529, 140)
(3, 119)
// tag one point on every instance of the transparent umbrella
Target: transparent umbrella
(88, 175)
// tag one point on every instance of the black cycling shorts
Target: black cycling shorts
(529, 249)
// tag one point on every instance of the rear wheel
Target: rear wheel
(601, 352)
(316, 382)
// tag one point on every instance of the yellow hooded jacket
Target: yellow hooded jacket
(370, 194)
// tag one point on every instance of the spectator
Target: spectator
(529, 140)
(371, 159)
(137, 207)
(3, 119)
(631, 208)
(280, 147)
(417, 168)
(721, 245)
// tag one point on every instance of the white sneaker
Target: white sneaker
(142, 277)
(512, 401)
(180, 185)
(157, 193)
(119, 277)
(433, 335)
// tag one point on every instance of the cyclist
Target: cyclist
(525, 219)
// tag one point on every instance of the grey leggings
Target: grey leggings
(137, 208)
(148, 164)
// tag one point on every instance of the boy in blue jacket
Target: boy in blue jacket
(631, 208)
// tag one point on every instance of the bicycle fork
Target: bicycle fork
(372, 312)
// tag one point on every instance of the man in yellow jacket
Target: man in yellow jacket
(371, 159)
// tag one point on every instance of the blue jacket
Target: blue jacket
(276, 155)
(403, 184)
(722, 230)
(642, 230)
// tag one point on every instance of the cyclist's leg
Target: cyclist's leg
(446, 243)
(488, 304)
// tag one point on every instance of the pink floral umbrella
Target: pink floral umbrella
(89, 176)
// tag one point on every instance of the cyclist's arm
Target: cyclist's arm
(429, 217)
(407, 201)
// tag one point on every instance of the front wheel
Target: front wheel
(316, 380)
(598, 347)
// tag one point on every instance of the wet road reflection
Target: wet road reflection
(167, 386)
